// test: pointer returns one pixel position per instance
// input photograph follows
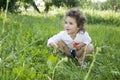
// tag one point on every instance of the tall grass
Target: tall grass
(25, 56)
(108, 17)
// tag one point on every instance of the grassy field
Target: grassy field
(25, 56)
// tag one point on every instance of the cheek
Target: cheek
(76, 29)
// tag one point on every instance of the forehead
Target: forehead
(69, 18)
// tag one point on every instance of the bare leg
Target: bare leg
(90, 48)
(64, 48)
(80, 54)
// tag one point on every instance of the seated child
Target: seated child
(74, 40)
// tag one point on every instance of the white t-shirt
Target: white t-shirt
(64, 36)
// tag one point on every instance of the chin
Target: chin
(68, 32)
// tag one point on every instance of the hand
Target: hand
(54, 45)
(79, 45)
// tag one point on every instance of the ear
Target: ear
(79, 27)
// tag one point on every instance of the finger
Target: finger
(82, 44)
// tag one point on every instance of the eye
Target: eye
(65, 22)
(71, 23)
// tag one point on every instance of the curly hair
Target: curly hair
(78, 15)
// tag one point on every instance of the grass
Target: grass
(102, 17)
(25, 56)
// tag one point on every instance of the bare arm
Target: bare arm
(54, 45)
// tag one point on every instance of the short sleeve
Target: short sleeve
(87, 39)
(55, 38)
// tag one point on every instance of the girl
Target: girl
(74, 40)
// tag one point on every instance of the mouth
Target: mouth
(67, 29)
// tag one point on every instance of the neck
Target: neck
(73, 36)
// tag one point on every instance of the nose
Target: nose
(66, 25)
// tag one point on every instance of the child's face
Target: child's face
(70, 25)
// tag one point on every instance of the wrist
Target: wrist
(53, 45)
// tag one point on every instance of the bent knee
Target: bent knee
(61, 43)
(90, 48)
